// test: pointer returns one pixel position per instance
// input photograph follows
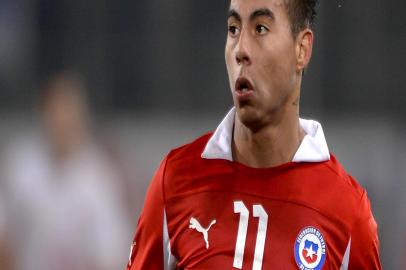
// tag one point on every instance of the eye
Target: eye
(260, 29)
(233, 30)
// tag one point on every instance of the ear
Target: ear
(304, 48)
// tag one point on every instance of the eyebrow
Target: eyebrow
(257, 13)
(233, 13)
(262, 12)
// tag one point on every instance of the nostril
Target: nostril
(242, 59)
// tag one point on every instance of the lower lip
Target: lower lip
(244, 95)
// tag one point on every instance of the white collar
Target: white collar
(313, 147)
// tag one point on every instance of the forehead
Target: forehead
(246, 7)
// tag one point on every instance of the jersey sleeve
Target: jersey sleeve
(364, 243)
(151, 248)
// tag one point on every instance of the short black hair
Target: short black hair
(301, 13)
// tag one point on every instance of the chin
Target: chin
(249, 117)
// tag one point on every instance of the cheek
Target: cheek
(277, 77)
(279, 66)
(230, 63)
(228, 57)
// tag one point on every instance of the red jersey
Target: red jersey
(205, 211)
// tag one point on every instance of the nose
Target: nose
(242, 55)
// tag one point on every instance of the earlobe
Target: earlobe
(304, 48)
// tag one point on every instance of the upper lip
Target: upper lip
(243, 82)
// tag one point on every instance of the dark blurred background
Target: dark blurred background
(155, 78)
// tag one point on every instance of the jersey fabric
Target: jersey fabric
(205, 211)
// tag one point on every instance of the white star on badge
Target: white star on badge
(310, 252)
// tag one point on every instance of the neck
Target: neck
(274, 144)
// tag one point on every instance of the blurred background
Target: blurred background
(93, 94)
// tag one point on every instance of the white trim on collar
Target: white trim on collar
(313, 147)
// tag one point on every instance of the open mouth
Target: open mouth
(243, 85)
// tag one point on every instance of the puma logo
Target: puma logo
(195, 225)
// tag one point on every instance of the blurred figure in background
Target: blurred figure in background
(4, 251)
(65, 207)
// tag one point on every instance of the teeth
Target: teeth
(244, 89)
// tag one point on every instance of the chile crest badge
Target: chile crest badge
(310, 249)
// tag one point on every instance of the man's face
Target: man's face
(261, 58)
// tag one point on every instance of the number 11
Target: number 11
(259, 212)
